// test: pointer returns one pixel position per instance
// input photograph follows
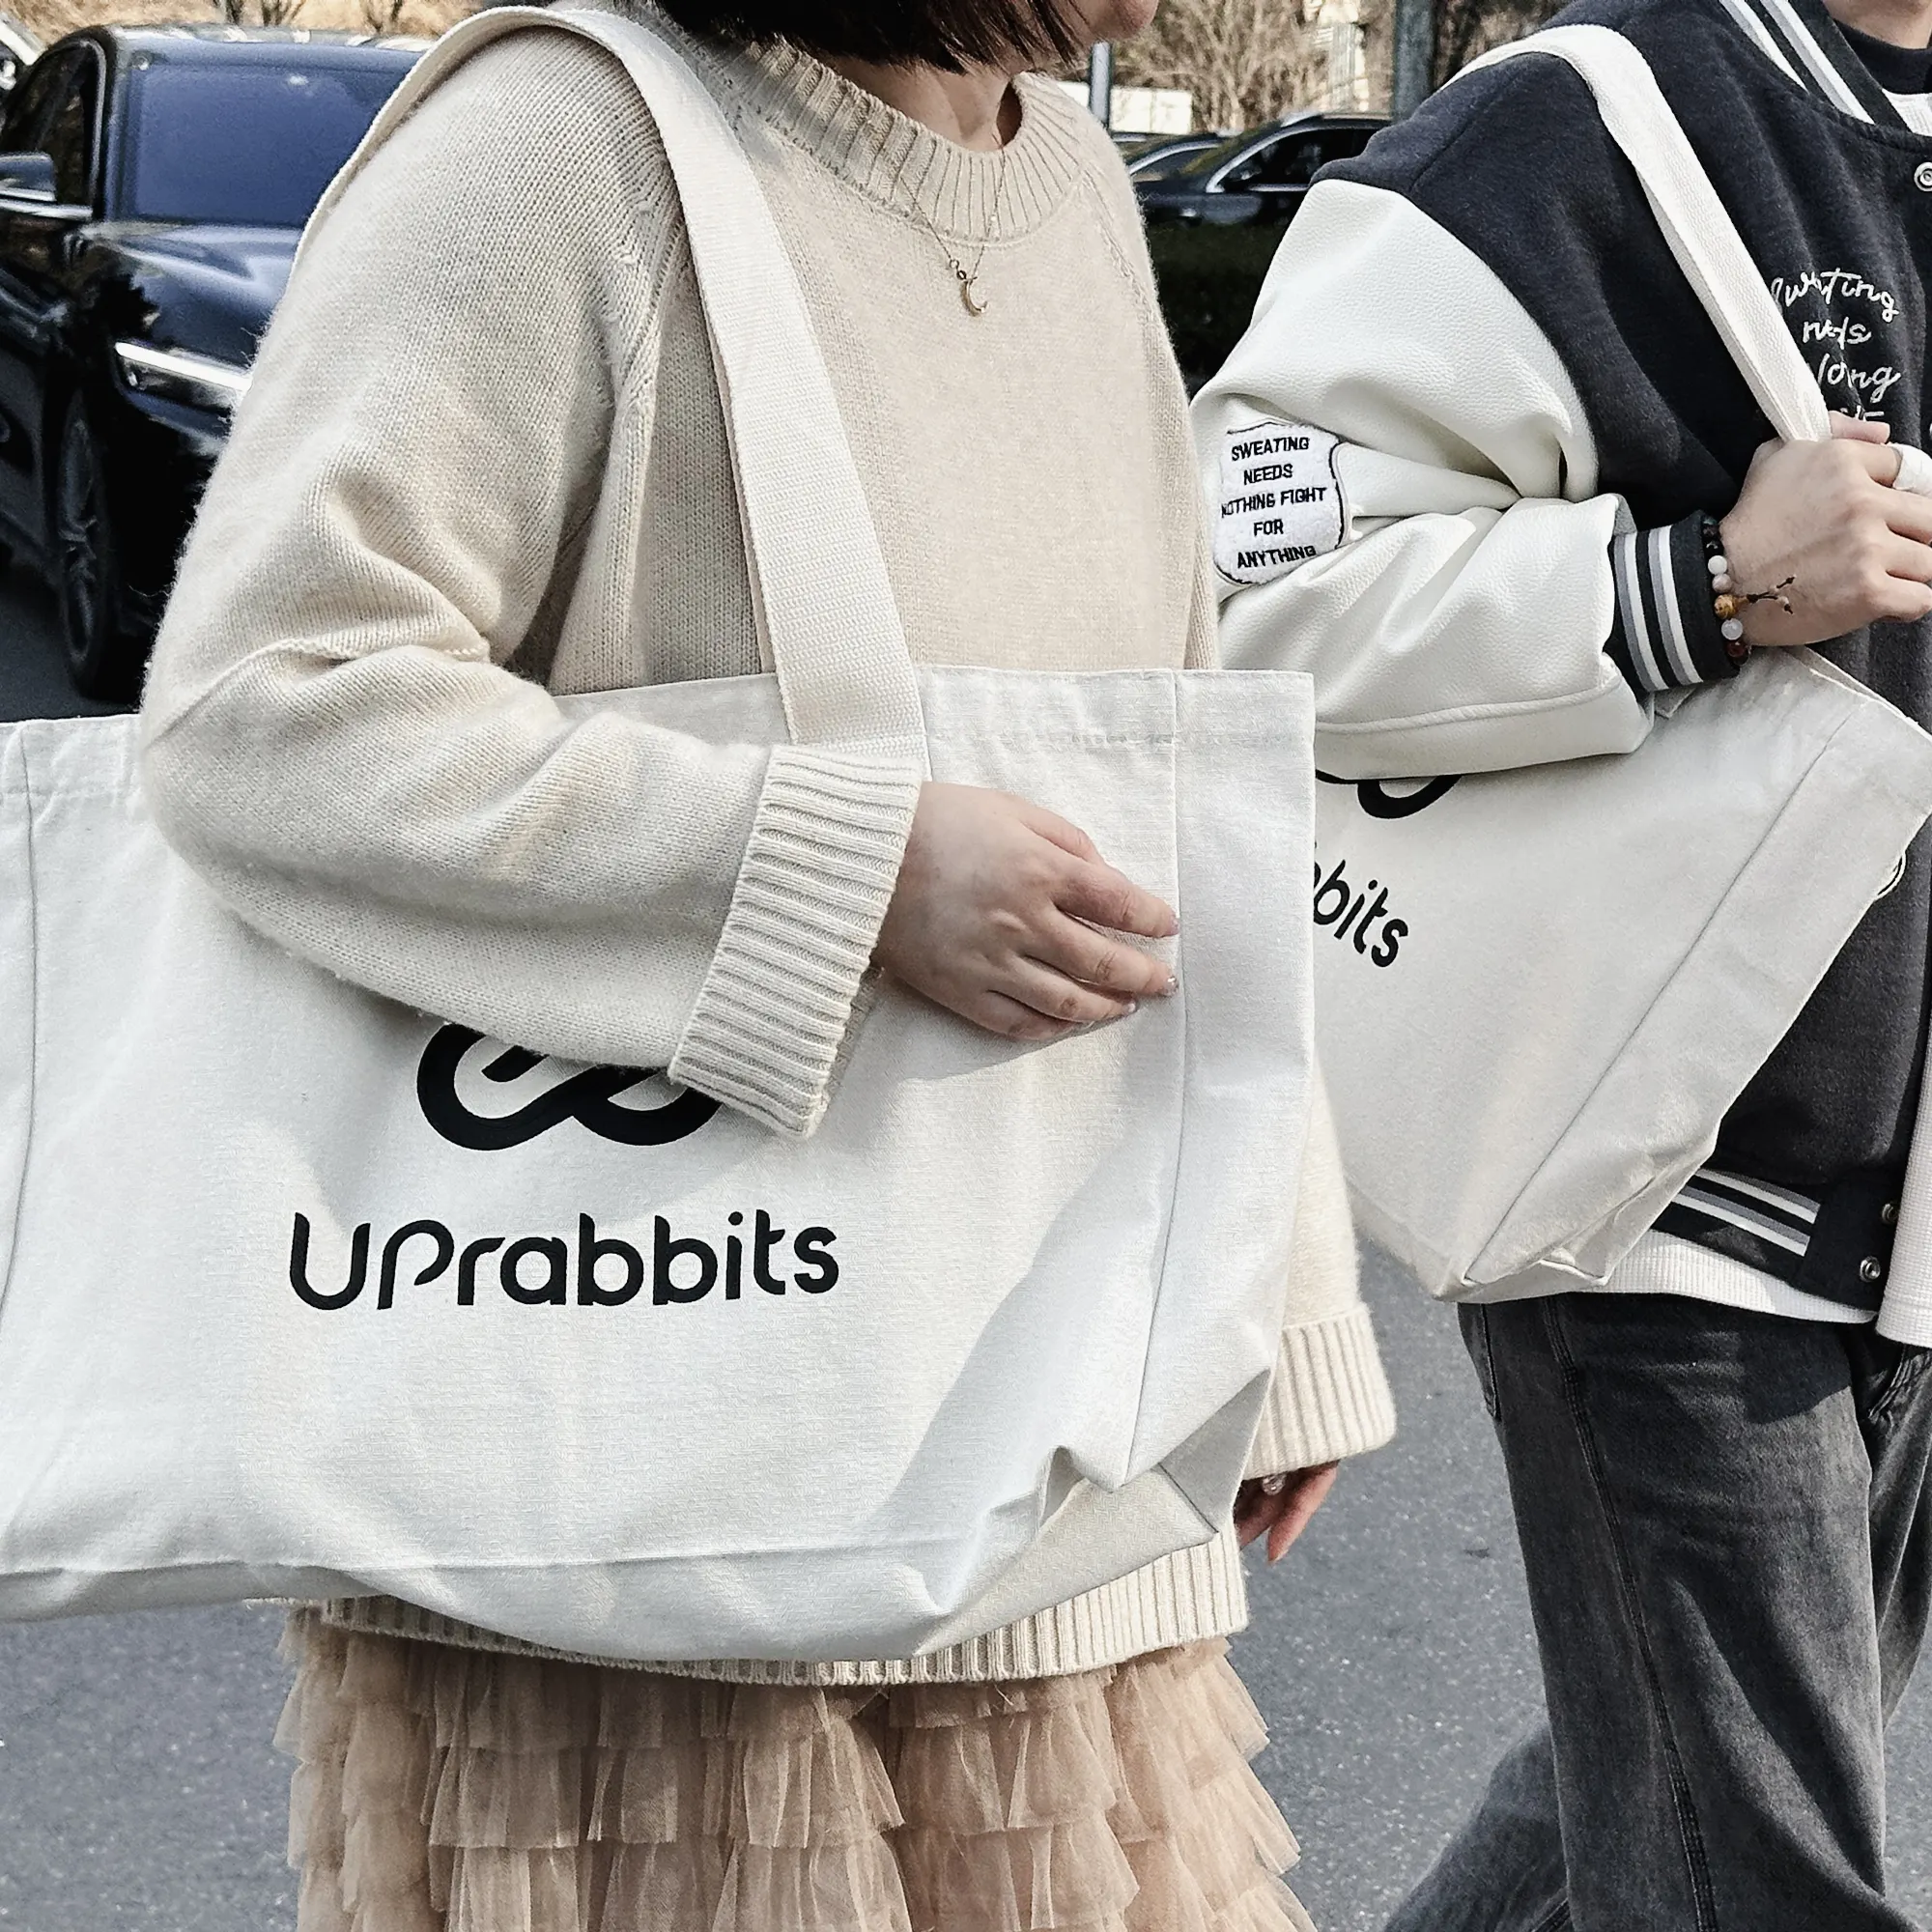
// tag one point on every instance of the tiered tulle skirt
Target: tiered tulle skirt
(449, 1790)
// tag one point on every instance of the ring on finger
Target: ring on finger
(1915, 470)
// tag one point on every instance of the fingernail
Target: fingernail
(1133, 1007)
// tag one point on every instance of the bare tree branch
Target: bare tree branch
(1244, 61)
(1248, 61)
(1467, 28)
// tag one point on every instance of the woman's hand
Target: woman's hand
(1823, 515)
(1282, 1512)
(995, 912)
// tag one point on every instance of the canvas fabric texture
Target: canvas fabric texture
(1194, 1594)
(375, 886)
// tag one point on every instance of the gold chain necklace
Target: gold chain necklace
(969, 278)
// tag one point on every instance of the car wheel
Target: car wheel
(103, 659)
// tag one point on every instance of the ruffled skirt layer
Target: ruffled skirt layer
(449, 1790)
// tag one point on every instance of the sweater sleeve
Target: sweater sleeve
(332, 735)
(1330, 1397)
(1441, 562)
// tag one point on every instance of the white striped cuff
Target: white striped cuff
(1665, 633)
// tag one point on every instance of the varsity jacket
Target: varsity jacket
(1489, 410)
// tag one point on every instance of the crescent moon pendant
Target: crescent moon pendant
(972, 307)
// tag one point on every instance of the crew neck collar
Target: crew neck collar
(887, 156)
(1897, 69)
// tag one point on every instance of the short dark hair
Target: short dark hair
(951, 34)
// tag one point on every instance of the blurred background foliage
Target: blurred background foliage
(52, 18)
(1244, 61)
(1249, 61)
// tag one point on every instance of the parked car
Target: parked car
(19, 48)
(1215, 220)
(1256, 177)
(153, 182)
(1149, 155)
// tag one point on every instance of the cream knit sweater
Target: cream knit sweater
(483, 461)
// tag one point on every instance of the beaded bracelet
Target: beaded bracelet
(1724, 599)
(1727, 601)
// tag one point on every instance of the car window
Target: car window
(69, 136)
(1290, 162)
(1343, 144)
(253, 144)
(1164, 163)
(1205, 164)
(26, 115)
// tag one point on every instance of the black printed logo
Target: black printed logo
(1361, 916)
(535, 1271)
(1378, 801)
(590, 1097)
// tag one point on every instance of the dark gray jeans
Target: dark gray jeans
(1727, 1526)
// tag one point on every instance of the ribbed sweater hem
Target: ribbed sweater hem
(1180, 1598)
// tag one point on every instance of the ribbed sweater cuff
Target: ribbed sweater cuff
(767, 1033)
(1330, 1398)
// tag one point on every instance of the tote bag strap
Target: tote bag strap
(825, 605)
(1702, 236)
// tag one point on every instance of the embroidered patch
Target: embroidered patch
(1281, 502)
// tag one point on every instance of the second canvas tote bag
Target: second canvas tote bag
(1530, 1048)
(307, 1293)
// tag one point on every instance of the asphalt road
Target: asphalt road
(1391, 1653)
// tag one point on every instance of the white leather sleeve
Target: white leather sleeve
(1458, 622)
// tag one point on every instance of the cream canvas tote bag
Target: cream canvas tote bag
(1536, 996)
(309, 1294)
